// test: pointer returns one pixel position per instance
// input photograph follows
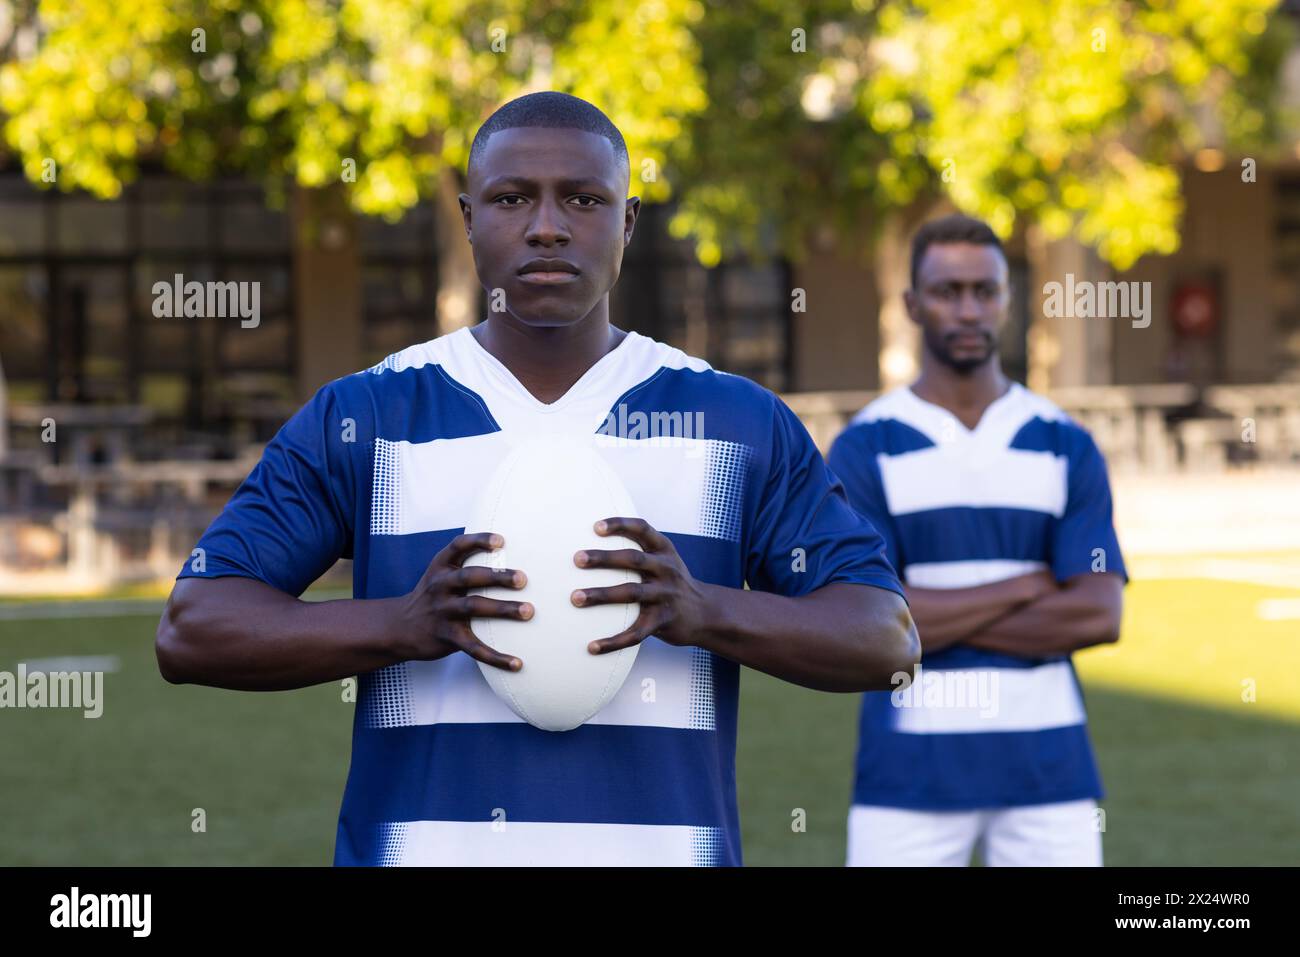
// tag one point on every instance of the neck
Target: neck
(548, 360)
(969, 393)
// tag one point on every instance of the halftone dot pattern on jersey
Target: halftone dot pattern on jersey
(724, 490)
(392, 842)
(433, 421)
(701, 715)
(706, 846)
(385, 509)
(387, 694)
(390, 364)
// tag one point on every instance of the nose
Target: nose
(969, 307)
(547, 227)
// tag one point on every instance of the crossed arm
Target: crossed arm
(1030, 615)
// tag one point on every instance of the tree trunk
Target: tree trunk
(458, 285)
(327, 286)
(900, 339)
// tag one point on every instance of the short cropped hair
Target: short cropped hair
(956, 228)
(548, 109)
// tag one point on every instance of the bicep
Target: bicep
(881, 616)
(1102, 590)
(199, 600)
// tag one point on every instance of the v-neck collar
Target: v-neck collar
(516, 389)
(989, 415)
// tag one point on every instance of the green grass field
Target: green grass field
(1195, 775)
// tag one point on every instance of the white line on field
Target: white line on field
(119, 608)
(116, 607)
(1278, 609)
(1219, 569)
(104, 663)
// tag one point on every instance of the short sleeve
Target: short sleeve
(291, 519)
(805, 535)
(853, 461)
(1083, 538)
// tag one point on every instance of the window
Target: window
(77, 277)
(399, 282)
(736, 316)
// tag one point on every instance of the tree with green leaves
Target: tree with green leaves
(378, 98)
(1073, 116)
(1073, 113)
(770, 121)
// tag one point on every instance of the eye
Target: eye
(591, 201)
(504, 199)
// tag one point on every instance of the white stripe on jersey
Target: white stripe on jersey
(968, 476)
(663, 690)
(507, 843)
(1021, 699)
(432, 486)
(967, 574)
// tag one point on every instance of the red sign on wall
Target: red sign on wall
(1195, 310)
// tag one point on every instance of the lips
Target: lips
(548, 278)
(548, 272)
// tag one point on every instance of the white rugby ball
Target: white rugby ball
(544, 499)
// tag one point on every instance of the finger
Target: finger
(641, 630)
(463, 546)
(637, 529)
(477, 606)
(629, 593)
(468, 642)
(632, 559)
(480, 576)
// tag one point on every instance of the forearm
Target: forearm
(946, 616)
(244, 635)
(1056, 624)
(843, 637)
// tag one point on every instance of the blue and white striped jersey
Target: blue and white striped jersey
(383, 467)
(1025, 489)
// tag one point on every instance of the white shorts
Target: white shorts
(1038, 835)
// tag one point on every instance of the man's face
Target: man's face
(548, 216)
(960, 302)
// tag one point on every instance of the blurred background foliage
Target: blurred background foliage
(765, 119)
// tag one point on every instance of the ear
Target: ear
(630, 213)
(912, 304)
(466, 211)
